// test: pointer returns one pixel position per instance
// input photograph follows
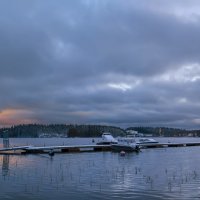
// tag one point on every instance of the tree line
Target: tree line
(166, 132)
(74, 130)
(56, 130)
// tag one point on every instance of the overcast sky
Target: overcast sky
(113, 62)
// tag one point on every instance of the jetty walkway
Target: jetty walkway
(83, 148)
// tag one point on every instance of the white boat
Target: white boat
(126, 139)
(137, 140)
(107, 138)
(146, 141)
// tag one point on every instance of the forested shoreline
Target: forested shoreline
(71, 130)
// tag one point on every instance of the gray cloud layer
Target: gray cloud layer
(126, 63)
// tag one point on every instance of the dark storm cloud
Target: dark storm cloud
(99, 61)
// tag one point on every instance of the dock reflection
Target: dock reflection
(5, 165)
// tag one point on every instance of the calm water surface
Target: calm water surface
(168, 173)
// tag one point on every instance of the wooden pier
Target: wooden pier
(83, 148)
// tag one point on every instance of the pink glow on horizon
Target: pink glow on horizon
(9, 117)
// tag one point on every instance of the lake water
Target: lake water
(167, 173)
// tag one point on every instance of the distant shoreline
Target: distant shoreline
(63, 130)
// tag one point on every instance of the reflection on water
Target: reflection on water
(5, 165)
(171, 173)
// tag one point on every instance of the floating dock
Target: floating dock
(165, 145)
(55, 149)
(83, 148)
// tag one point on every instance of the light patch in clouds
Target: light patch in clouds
(120, 86)
(182, 100)
(197, 121)
(62, 50)
(184, 10)
(188, 14)
(187, 73)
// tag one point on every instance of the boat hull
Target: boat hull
(106, 143)
(126, 148)
(146, 143)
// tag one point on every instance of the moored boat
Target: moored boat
(146, 141)
(137, 140)
(107, 138)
